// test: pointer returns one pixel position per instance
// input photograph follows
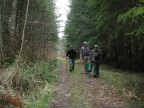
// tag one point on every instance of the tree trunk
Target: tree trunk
(23, 33)
(1, 35)
(13, 28)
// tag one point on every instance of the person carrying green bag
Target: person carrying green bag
(84, 54)
(96, 57)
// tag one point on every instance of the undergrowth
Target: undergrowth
(129, 84)
(34, 83)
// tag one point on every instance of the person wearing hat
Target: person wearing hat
(95, 58)
(72, 55)
(85, 44)
(84, 54)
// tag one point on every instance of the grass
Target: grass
(129, 84)
(78, 94)
(33, 82)
(43, 100)
(47, 73)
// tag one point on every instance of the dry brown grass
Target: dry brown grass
(8, 78)
(24, 84)
(8, 99)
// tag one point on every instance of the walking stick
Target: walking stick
(81, 60)
(66, 63)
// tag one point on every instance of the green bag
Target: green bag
(89, 67)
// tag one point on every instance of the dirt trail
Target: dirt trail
(63, 90)
(76, 90)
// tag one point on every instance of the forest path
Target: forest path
(78, 90)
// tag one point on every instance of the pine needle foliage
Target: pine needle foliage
(115, 25)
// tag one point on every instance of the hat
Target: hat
(85, 42)
(96, 46)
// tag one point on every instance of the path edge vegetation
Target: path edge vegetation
(34, 83)
(28, 37)
(129, 84)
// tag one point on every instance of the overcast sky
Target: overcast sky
(62, 8)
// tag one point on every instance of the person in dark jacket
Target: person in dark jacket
(72, 55)
(96, 57)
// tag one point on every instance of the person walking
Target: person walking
(95, 58)
(71, 53)
(84, 54)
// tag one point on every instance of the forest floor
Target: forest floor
(79, 90)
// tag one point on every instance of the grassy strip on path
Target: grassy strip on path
(78, 96)
(70, 89)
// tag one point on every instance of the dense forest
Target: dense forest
(27, 27)
(32, 57)
(28, 37)
(117, 26)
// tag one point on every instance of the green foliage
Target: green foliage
(132, 14)
(33, 82)
(39, 80)
(43, 70)
(138, 32)
(41, 102)
(41, 28)
(77, 26)
(115, 25)
(122, 80)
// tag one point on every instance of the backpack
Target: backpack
(86, 51)
(97, 54)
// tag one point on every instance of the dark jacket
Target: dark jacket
(96, 55)
(71, 53)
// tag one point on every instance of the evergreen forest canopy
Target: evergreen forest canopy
(117, 26)
(28, 28)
